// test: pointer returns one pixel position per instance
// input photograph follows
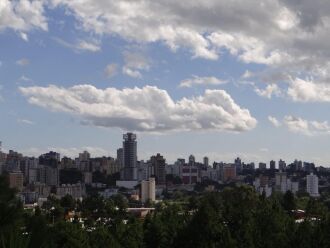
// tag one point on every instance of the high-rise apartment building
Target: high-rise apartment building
(228, 172)
(272, 165)
(262, 166)
(312, 185)
(84, 156)
(16, 180)
(238, 164)
(120, 157)
(158, 163)
(281, 165)
(191, 160)
(148, 190)
(281, 181)
(130, 157)
(206, 161)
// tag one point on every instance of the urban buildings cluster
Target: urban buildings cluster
(36, 178)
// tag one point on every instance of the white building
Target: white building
(261, 189)
(88, 178)
(290, 185)
(280, 181)
(148, 190)
(144, 170)
(294, 187)
(108, 193)
(312, 186)
(267, 190)
(77, 191)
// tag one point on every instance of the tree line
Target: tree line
(234, 217)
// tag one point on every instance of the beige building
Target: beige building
(16, 180)
(148, 190)
(228, 173)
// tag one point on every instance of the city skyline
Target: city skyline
(76, 75)
(130, 145)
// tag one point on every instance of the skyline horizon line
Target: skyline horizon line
(243, 158)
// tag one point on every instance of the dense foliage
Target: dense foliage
(235, 217)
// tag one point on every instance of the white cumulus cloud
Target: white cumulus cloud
(148, 109)
(196, 80)
(271, 89)
(275, 122)
(302, 126)
(22, 16)
(88, 46)
(307, 91)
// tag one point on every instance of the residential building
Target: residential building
(312, 185)
(281, 181)
(189, 174)
(272, 165)
(228, 172)
(191, 160)
(130, 157)
(206, 161)
(158, 163)
(148, 190)
(16, 180)
(77, 190)
(281, 165)
(262, 166)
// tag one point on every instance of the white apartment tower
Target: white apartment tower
(312, 186)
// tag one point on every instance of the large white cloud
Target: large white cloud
(22, 16)
(289, 34)
(290, 37)
(307, 91)
(147, 109)
(302, 126)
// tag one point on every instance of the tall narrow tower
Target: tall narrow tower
(130, 156)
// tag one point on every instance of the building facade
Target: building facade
(148, 190)
(312, 185)
(130, 157)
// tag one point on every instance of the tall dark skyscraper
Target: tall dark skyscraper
(130, 156)
(158, 163)
(120, 157)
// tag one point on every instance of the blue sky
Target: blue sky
(226, 81)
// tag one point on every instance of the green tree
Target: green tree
(289, 202)
(102, 237)
(68, 235)
(38, 230)
(271, 225)
(10, 209)
(207, 229)
(68, 203)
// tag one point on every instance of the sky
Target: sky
(216, 78)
